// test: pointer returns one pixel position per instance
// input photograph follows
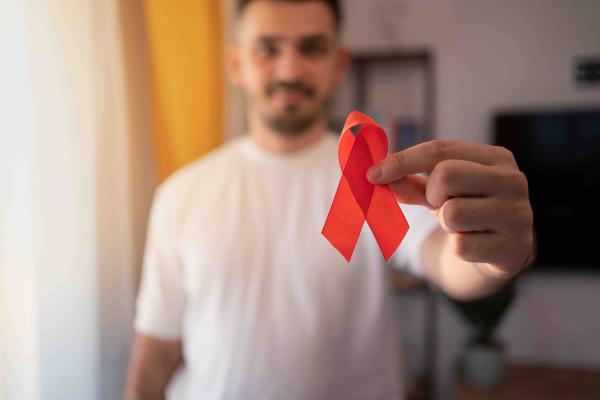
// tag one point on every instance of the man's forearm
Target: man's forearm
(457, 278)
(149, 384)
(152, 365)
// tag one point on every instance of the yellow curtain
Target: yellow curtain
(185, 39)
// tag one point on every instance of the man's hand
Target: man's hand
(478, 194)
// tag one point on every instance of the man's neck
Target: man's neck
(275, 142)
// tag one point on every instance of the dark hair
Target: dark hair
(334, 5)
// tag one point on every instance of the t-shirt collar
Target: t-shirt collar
(257, 153)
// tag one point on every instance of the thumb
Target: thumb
(410, 189)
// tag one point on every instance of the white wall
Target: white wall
(48, 266)
(493, 55)
(19, 363)
(490, 54)
(75, 186)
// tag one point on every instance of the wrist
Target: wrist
(496, 272)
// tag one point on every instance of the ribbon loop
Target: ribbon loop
(356, 199)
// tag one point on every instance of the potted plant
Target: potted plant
(483, 358)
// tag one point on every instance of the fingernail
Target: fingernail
(374, 174)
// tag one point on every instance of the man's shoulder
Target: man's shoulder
(200, 174)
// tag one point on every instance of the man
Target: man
(241, 296)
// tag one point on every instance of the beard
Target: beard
(289, 122)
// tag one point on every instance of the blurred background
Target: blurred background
(101, 100)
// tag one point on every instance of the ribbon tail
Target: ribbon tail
(344, 221)
(386, 220)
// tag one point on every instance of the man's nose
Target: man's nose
(290, 66)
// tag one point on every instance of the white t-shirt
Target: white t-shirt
(237, 269)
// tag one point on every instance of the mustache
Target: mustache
(306, 90)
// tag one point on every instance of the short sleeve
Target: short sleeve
(160, 302)
(422, 223)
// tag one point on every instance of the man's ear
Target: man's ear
(233, 65)
(344, 59)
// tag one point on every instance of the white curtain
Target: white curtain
(76, 178)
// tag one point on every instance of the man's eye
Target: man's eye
(314, 49)
(266, 49)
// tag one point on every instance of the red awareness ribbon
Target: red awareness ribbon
(356, 199)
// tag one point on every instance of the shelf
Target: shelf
(397, 87)
(393, 55)
(532, 382)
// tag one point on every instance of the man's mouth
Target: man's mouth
(291, 89)
(291, 95)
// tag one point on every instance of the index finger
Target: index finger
(424, 157)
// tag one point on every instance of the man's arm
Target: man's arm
(481, 200)
(458, 278)
(152, 364)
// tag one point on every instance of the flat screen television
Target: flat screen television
(559, 152)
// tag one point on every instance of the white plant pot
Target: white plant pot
(483, 365)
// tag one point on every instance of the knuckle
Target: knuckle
(441, 180)
(525, 218)
(434, 196)
(519, 181)
(394, 164)
(454, 215)
(516, 216)
(513, 181)
(506, 154)
(529, 215)
(399, 160)
(523, 184)
(445, 173)
(438, 148)
(462, 246)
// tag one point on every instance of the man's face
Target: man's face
(288, 62)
